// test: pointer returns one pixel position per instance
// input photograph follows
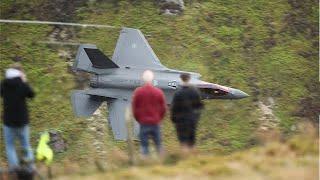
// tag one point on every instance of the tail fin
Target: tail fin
(91, 59)
(85, 105)
(133, 50)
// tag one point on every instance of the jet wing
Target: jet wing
(110, 93)
(133, 50)
(118, 100)
(116, 116)
(83, 104)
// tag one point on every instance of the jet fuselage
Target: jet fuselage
(168, 81)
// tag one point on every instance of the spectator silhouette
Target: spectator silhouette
(14, 91)
(149, 107)
(185, 112)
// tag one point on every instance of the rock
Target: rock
(167, 13)
(64, 34)
(54, 34)
(57, 143)
(90, 119)
(93, 129)
(264, 128)
(265, 109)
(224, 142)
(99, 129)
(268, 120)
(97, 143)
(171, 7)
(97, 112)
(269, 43)
(305, 54)
(100, 133)
(217, 54)
(64, 54)
(175, 11)
(271, 102)
(17, 58)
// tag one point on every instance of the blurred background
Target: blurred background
(267, 48)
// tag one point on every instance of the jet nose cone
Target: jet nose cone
(238, 94)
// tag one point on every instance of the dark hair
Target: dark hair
(185, 77)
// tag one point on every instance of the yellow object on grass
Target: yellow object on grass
(44, 152)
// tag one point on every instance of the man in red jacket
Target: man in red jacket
(149, 107)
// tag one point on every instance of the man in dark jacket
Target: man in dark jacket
(185, 111)
(14, 90)
(149, 107)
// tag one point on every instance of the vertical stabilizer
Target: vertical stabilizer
(91, 59)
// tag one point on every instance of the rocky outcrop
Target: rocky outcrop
(57, 142)
(267, 119)
(97, 127)
(171, 7)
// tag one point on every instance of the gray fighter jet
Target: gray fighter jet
(115, 80)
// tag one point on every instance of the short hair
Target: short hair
(148, 76)
(16, 66)
(185, 77)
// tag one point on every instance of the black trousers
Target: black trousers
(186, 132)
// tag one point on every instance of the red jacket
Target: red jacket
(148, 105)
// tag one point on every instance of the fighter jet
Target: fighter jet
(114, 80)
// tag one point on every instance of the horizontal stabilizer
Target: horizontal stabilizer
(85, 105)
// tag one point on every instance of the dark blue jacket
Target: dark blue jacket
(186, 105)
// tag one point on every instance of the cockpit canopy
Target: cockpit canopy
(212, 91)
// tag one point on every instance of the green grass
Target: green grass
(296, 158)
(238, 30)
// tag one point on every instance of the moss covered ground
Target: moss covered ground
(265, 48)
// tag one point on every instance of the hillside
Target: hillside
(268, 49)
(291, 160)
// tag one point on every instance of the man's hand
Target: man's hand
(23, 77)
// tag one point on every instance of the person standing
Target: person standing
(14, 91)
(185, 112)
(149, 107)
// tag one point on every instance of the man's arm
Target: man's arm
(134, 104)
(173, 108)
(1, 89)
(28, 91)
(163, 104)
(197, 103)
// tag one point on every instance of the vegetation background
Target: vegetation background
(267, 48)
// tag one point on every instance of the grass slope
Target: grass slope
(266, 48)
(295, 159)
